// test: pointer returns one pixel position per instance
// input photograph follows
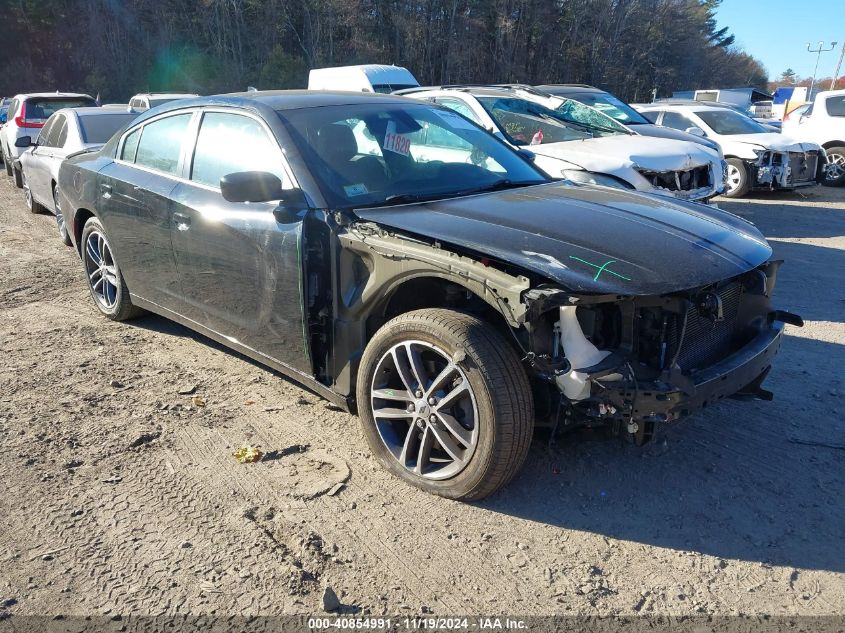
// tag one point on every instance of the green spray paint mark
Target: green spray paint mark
(601, 269)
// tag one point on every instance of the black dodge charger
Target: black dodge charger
(404, 263)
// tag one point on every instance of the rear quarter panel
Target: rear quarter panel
(78, 188)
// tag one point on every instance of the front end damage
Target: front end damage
(629, 362)
(635, 362)
(786, 169)
(695, 183)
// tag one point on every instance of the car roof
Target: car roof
(159, 95)
(559, 89)
(475, 90)
(47, 95)
(266, 101)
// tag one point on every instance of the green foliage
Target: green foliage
(283, 70)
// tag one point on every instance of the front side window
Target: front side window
(836, 106)
(730, 122)
(677, 121)
(460, 107)
(651, 116)
(229, 143)
(161, 143)
(44, 136)
(372, 154)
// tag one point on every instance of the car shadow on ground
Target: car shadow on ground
(736, 481)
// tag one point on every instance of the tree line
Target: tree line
(120, 47)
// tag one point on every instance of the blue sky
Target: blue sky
(777, 32)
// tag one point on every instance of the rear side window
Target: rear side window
(229, 143)
(161, 143)
(130, 146)
(836, 106)
(42, 109)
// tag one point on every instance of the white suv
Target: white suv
(27, 115)
(145, 101)
(823, 122)
(758, 158)
(574, 141)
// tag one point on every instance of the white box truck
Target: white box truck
(362, 78)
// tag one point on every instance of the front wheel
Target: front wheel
(28, 199)
(7, 162)
(105, 281)
(737, 183)
(445, 404)
(836, 167)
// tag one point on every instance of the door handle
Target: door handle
(182, 221)
(105, 190)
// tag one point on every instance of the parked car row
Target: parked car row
(449, 265)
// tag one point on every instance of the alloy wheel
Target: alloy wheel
(734, 178)
(424, 410)
(102, 272)
(836, 166)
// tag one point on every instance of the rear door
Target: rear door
(240, 269)
(134, 195)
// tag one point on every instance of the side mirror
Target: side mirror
(24, 141)
(251, 186)
(527, 155)
(695, 131)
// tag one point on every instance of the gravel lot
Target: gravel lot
(119, 495)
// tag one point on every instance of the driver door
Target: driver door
(240, 270)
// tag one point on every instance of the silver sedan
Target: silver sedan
(66, 132)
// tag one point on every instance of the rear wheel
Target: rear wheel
(445, 403)
(60, 218)
(18, 176)
(105, 281)
(836, 167)
(737, 179)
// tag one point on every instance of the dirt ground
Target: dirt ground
(119, 495)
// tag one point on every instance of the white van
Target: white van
(363, 78)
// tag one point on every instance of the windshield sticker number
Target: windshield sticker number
(355, 190)
(396, 143)
(455, 120)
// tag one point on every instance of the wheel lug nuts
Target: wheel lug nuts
(432, 400)
(411, 407)
(432, 418)
(419, 394)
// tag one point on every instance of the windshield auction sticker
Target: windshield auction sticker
(396, 143)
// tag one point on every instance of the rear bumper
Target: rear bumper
(740, 373)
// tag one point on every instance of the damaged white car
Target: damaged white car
(757, 157)
(571, 140)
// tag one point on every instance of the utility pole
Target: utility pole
(838, 66)
(821, 49)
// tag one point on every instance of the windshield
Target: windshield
(99, 128)
(374, 154)
(730, 122)
(611, 106)
(525, 122)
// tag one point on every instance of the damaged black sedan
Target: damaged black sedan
(402, 262)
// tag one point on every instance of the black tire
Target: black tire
(836, 156)
(28, 198)
(18, 176)
(740, 186)
(61, 225)
(498, 389)
(8, 163)
(114, 302)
